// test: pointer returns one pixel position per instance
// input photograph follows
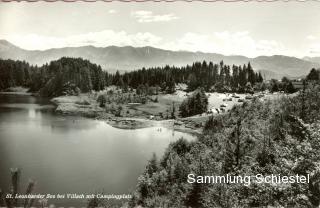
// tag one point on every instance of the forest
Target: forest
(64, 76)
(212, 77)
(74, 75)
(272, 137)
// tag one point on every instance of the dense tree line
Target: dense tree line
(273, 137)
(64, 76)
(74, 75)
(15, 73)
(68, 75)
(217, 77)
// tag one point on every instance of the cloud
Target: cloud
(98, 39)
(223, 42)
(242, 43)
(227, 43)
(191, 42)
(313, 46)
(143, 16)
(314, 49)
(311, 37)
(112, 11)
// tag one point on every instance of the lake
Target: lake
(65, 154)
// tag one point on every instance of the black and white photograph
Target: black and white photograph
(159, 104)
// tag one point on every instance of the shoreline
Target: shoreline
(128, 123)
(84, 107)
(17, 91)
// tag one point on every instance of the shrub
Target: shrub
(102, 100)
(195, 104)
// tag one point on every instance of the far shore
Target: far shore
(16, 91)
(139, 115)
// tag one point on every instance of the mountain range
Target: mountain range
(128, 58)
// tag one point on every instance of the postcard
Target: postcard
(167, 104)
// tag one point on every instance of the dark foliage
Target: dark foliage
(196, 103)
(64, 76)
(11, 202)
(314, 75)
(284, 85)
(218, 77)
(74, 75)
(15, 73)
(260, 137)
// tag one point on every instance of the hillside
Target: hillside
(128, 58)
(275, 137)
(312, 59)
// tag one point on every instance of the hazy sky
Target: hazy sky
(250, 29)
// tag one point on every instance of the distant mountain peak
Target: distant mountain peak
(127, 58)
(315, 59)
(3, 41)
(6, 45)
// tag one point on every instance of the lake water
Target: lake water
(70, 154)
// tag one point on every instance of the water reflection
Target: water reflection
(32, 113)
(71, 154)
